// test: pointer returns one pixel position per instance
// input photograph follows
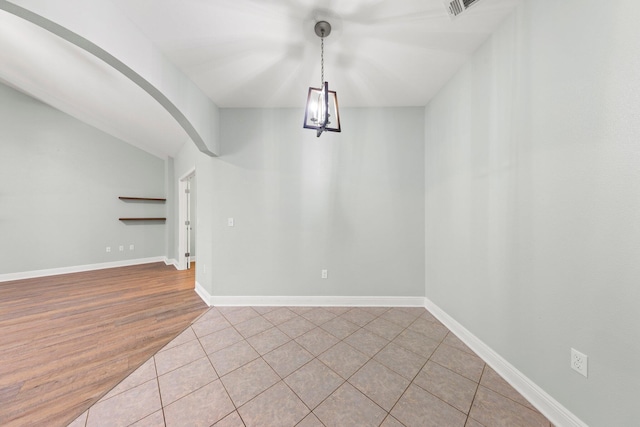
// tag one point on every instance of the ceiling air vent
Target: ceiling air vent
(456, 7)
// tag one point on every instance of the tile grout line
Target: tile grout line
(507, 397)
(388, 413)
(484, 368)
(155, 368)
(414, 377)
(323, 364)
(206, 356)
(316, 326)
(260, 356)
(433, 361)
(219, 378)
(222, 382)
(438, 397)
(370, 358)
(235, 408)
(300, 367)
(260, 316)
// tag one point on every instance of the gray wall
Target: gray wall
(532, 200)
(352, 203)
(59, 185)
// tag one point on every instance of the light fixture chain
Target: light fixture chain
(322, 59)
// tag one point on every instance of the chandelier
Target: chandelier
(321, 112)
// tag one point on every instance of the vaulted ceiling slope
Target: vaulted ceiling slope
(245, 54)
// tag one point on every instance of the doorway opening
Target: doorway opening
(187, 199)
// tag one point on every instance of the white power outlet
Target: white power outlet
(108, 248)
(579, 362)
(324, 274)
(121, 248)
(131, 247)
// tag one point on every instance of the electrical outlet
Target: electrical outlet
(324, 274)
(131, 247)
(579, 362)
(108, 248)
(230, 222)
(121, 248)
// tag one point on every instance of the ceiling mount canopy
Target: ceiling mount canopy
(322, 29)
(321, 112)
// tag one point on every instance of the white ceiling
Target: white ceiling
(253, 53)
(68, 78)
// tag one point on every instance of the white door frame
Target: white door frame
(183, 183)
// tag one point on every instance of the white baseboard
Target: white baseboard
(78, 268)
(317, 301)
(202, 293)
(547, 405)
(176, 264)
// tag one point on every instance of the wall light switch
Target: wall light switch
(230, 222)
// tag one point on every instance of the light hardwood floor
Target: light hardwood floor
(66, 340)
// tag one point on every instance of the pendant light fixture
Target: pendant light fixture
(321, 112)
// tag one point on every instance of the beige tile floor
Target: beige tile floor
(314, 366)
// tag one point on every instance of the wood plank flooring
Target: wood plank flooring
(66, 340)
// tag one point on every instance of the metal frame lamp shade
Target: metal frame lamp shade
(321, 112)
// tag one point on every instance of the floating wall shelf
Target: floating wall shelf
(142, 219)
(142, 199)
